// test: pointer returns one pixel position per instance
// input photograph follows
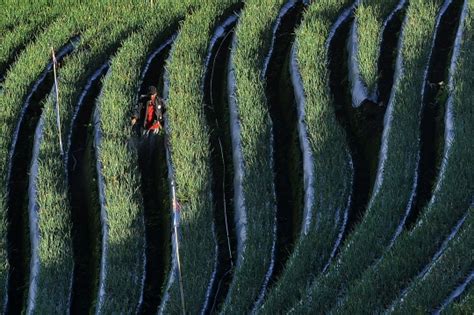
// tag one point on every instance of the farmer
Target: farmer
(149, 112)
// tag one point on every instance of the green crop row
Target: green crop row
(55, 252)
(13, 41)
(55, 248)
(397, 166)
(463, 306)
(19, 80)
(189, 144)
(250, 47)
(450, 270)
(124, 265)
(332, 185)
(378, 259)
(16, 13)
(369, 23)
(119, 164)
(451, 198)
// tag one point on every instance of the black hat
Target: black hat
(152, 90)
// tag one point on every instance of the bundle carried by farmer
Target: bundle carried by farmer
(148, 115)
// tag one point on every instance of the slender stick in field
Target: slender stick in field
(175, 225)
(222, 149)
(57, 101)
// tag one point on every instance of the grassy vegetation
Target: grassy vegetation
(55, 252)
(253, 36)
(15, 13)
(118, 157)
(397, 165)
(20, 79)
(55, 249)
(380, 259)
(452, 196)
(129, 257)
(463, 306)
(287, 157)
(370, 17)
(332, 185)
(450, 270)
(54, 221)
(216, 109)
(14, 41)
(189, 144)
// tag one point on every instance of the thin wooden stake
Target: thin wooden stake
(222, 155)
(58, 119)
(175, 224)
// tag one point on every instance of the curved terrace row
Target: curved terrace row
(297, 136)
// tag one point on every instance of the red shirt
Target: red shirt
(150, 115)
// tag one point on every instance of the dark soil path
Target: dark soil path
(364, 124)
(288, 160)
(84, 199)
(217, 117)
(156, 193)
(433, 111)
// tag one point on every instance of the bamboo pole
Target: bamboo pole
(58, 119)
(175, 225)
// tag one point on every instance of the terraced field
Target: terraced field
(316, 157)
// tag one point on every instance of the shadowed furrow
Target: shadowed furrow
(54, 202)
(432, 115)
(396, 176)
(255, 204)
(365, 47)
(416, 249)
(315, 157)
(323, 143)
(348, 118)
(18, 82)
(84, 199)
(155, 191)
(125, 287)
(23, 252)
(364, 119)
(189, 138)
(217, 117)
(287, 157)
